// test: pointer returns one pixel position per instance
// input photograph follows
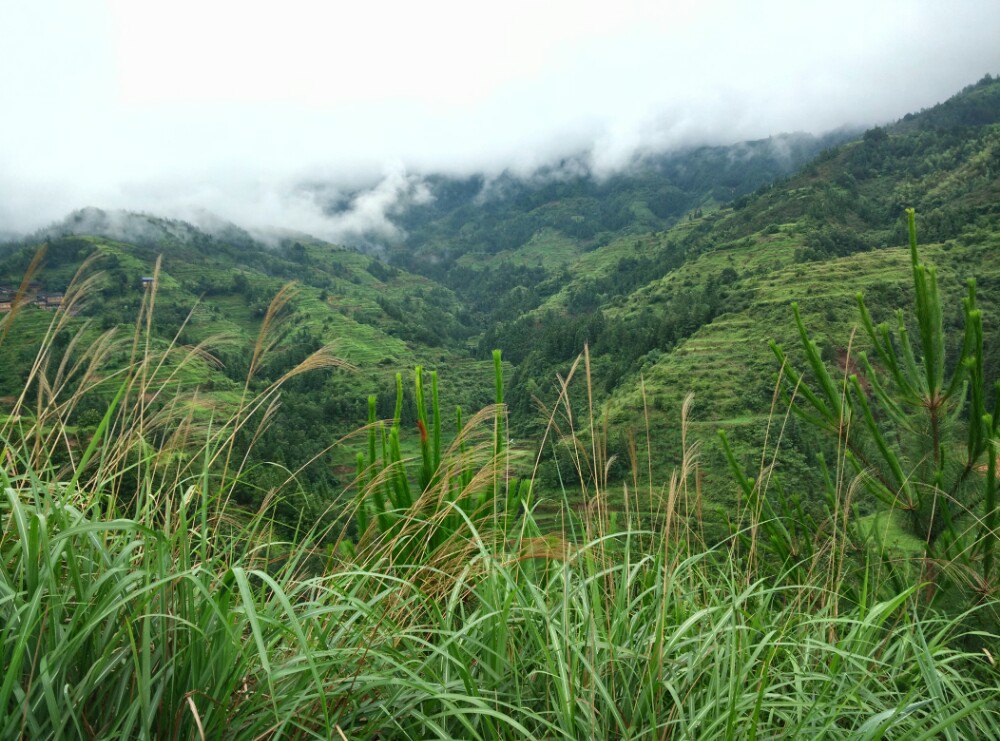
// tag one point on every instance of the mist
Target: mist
(325, 119)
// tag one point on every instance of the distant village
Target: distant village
(33, 296)
(48, 300)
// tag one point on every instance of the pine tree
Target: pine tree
(914, 427)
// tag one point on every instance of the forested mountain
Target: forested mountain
(506, 242)
(567, 371)
(722, 282)
(216, 288)
(677, 270)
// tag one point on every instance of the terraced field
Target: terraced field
(729, 368)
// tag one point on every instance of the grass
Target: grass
(149, 637)
(137, 599)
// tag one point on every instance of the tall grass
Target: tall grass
(136, 600)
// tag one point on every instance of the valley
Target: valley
(528, 371)
(674, 289)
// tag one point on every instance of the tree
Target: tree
(914, 428)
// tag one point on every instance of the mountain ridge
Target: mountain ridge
(689, 306)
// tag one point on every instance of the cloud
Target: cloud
(266, 113)
(369, 212)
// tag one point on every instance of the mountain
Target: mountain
(676, 273)
(716, 288)
(216, 288)
(505, 243)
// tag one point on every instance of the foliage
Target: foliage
(674, 273)
(916, 430)
(173, 612)
(412, 519)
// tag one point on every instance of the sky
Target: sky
(228, 106)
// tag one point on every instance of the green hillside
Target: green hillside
(724, 281)
(506, 243)
(191, 550)
(678, 271)
(217, 289)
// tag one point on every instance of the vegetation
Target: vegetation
(138, 599)
(680, 302)
(913, 434)
(198, 542)
(215, 290)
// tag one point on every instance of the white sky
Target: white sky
(225, 105)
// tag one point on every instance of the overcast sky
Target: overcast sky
(227, 105)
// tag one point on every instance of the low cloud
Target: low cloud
(325, 118)
(370, 212)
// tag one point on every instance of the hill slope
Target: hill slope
(818, 238)
(216, 288)
(677, 272)
(505, 243)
